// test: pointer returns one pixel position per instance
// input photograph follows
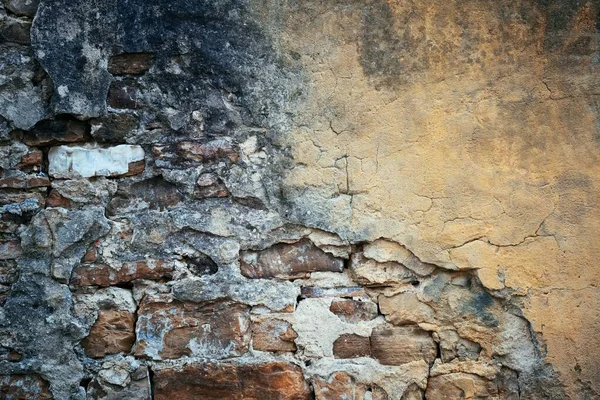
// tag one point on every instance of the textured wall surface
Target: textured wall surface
(299, 199)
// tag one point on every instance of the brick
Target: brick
(57, 131)
(342, 386)
(401, 345)
(227, 381)
(171, 329)
(104, 275)
(352, 346)
(289, 261)
(354, 310)
(112, 333)
(188, 154)
(273, 335)
(24, 387)
(124, 95)
(459, 386)
(130, 63)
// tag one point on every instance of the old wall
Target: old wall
(374, 199)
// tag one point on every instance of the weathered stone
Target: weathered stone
(289, 261)
(85, 162)
(20, 100)
(26, 8)
(31, 162)
(112, 333)
(60, 130)
(105, 275)
(273, 334)
(354, 310)
(459, 385)
(399, 345)
(341, 386)
(124, 95)
(227, 381)
(453, 346)
(130, 63)
(352, 346)
(55, 199)
(209, 185)
(15, 31)
(167, 330)
(120, 379)
(22, 387)
(405, 308)
(10, 249)
(113, 127)
(157, 193)
(372, 273)
(185, 154)
(413, 392)
(9, 272)
(24, 182)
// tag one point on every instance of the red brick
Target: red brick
(273, 335)
(171, 329)
(130, 63)
(227, 381)
(112, 333)
(352, 346)
(289, 261)
(104, 275)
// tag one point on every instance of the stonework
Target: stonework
(362, 199)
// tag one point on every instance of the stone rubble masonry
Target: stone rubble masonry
(72, 162)
(304, 200)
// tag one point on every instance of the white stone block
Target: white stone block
(91, 160)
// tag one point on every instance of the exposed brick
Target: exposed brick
(227, 381)
(171, 329)
(28, 182)
(354, 310)
(400, 345)
(31, 161)
(124, 95)
(24, 387)
(289, 261)
(130, 63)
(112, 333)
(104, 275)
(273, 335)
(341, 386)
(113, 128)
(57, 131)
(186, 154)
(209, 185)
(459, 386)
(55, 199)
(352, 346)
